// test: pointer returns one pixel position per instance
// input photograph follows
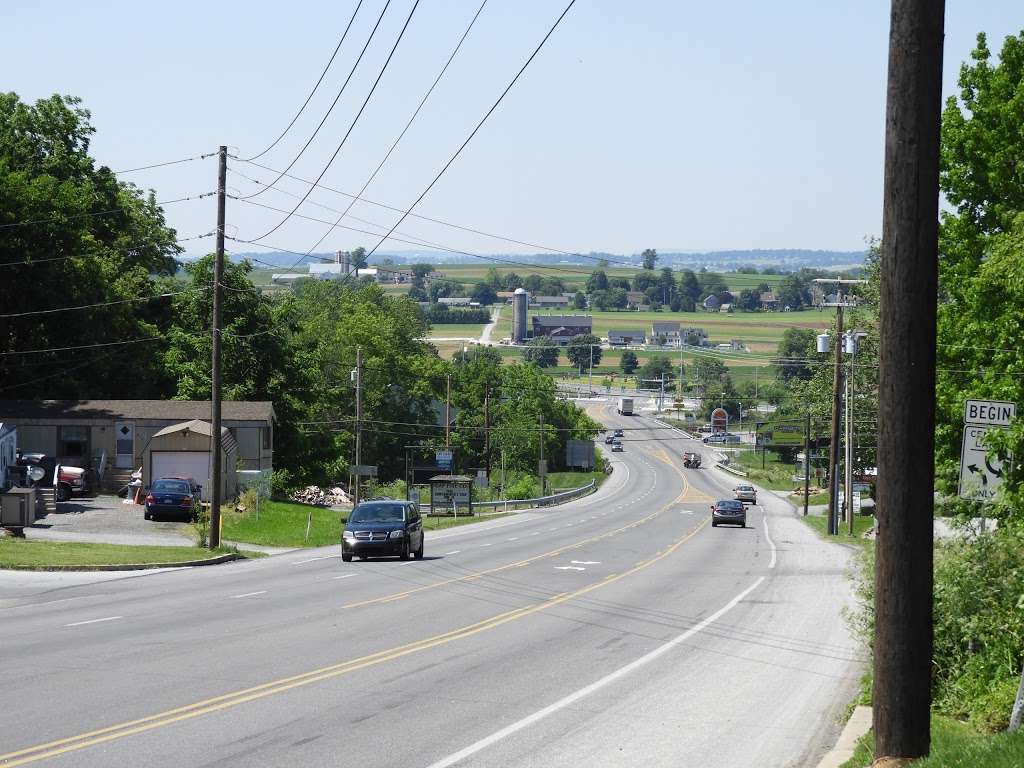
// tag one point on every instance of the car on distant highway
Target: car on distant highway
(609, 439)
(618, 433)
(617, 447)
(691, 460)
(172, 496)
(744, 492)
(728, 511)
(382, 528)
(722, 437)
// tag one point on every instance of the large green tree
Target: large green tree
(541, 351)
(73, 235)
(584, 350)
(649, 257)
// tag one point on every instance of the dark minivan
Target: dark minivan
(381, 528)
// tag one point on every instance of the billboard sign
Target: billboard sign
(719, 420)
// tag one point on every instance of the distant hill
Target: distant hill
(788, 259)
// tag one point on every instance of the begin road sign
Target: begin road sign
(993, 413)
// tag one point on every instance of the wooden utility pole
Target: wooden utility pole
(807, 462)
(487, 433)
(215, 362)
(448, 415)
(833, 450)
(906, 391)
(359, 424)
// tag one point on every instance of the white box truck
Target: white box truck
(625, 406)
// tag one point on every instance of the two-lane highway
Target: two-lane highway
(615, 629)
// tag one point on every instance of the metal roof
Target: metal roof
(175, 410)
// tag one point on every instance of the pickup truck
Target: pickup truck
(69, 480)
(691, 460)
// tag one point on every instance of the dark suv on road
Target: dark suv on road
(381, 528)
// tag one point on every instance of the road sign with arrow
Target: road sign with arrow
(980, 476)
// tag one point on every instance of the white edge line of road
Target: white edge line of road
(93, 621)
(768, 536)
(612, 677)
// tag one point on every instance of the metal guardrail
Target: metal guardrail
(540, 501)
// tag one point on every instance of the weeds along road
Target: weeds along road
(618, 630)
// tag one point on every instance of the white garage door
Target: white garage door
(183, 464)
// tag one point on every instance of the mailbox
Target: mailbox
(18, 508)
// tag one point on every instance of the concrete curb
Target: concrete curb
(858, 724)
(226, 558)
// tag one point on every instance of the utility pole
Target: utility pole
(359, 422)
(833, 449)
(848, 474)
(906, 403)
(215, 362)
(542, 469)
(487, 433)
(448, 415)
(807, 461)
(590, 391)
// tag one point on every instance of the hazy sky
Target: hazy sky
(670, 124)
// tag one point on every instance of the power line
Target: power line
(162, 165)
(442, 222)
(28, 262)
(366, 101)
(318, 82)
(99, 213)
(415, 113)
(102, 304)
(476, 129)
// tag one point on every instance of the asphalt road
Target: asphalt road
(617, 630)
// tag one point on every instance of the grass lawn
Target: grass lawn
(283, 524)
(861, 523)
(566, 481)
(40, 555)
(955, 745)
(470, 330)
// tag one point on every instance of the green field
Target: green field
(759, 331)
(449, 330)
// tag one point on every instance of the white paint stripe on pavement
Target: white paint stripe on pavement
(92, 621)
(768, 536)
(453, 552)
(249, 594)
(313, 559)
(344, 576)
(612, 677)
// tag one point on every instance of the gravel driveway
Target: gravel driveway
(107, 519)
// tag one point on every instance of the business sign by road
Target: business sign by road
(980, 476)
(719, 420)
(991, 413)
(444, 460)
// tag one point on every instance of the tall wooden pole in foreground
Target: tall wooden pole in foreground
(215, 362)
(909, 277)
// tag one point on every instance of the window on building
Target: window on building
(73, 442)
(266, 437)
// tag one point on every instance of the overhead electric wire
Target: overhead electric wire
(162, 165)
(99, 213)
(29, 262)
(561, 268)
(476, 129)
(318, 82)
(338, 96)
(401, 135)
(101, 304)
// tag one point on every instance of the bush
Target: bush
(979, 624)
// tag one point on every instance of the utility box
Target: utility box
(18, 508)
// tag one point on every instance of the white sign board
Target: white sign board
(980, 476)
(445, 493)
(993, 413)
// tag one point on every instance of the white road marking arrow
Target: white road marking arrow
(569, 568)
(585, 562)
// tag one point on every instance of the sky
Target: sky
(668, 124)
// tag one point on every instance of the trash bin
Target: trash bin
(18, 508)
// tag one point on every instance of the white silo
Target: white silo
(520, 301)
